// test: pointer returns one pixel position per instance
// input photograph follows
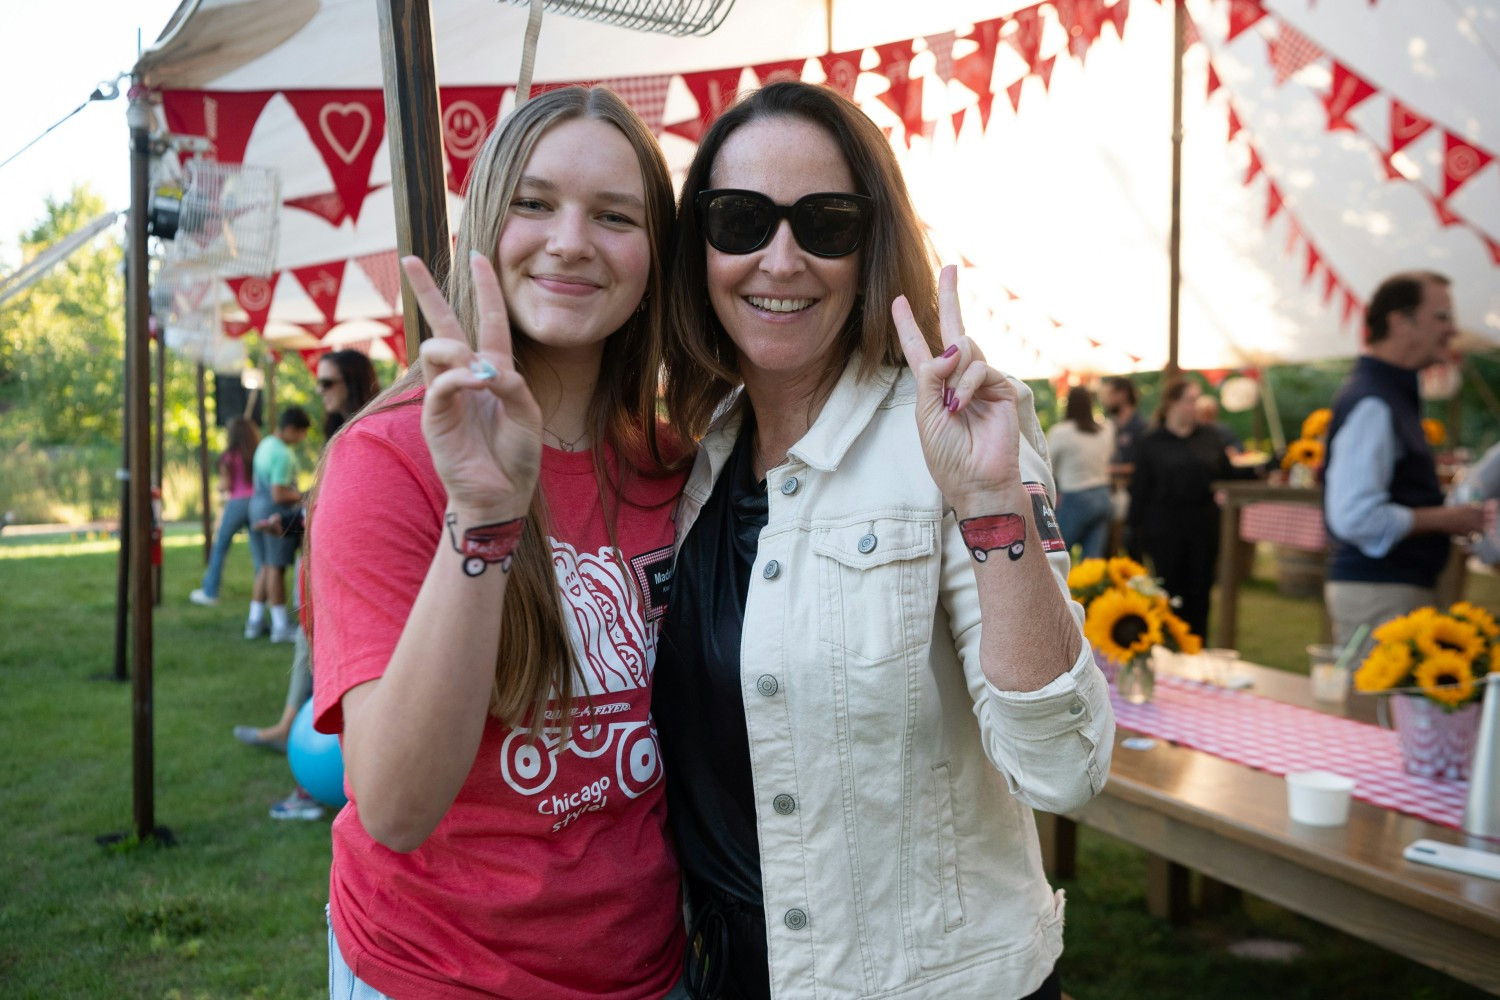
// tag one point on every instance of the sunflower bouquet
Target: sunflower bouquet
(1304, 456)
(1439, 654)
(1127, 612)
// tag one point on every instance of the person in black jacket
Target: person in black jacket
(1172, 508)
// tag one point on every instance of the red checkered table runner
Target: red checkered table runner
(1299, 525)
(1271, 736)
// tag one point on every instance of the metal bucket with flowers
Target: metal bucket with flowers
(1431, 662)
(1128, 614)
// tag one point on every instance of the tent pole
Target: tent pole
(1179, 24)
(203, 477)
(139, 380)
(123, 577)
(158, 463)
(413, 124)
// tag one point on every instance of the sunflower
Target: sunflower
(1385, 667)
(1316, 424)
(1123, 569)
(1435, 432)
(1476, 616)
(1086, 576)
(1179, 636)
(1122, 625)
(1303, 451)
(1445, 634)
(1446, 677)
(1406, 628)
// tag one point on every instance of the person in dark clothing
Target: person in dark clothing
(1172, 508)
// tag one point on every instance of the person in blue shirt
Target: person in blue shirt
(1388, 527)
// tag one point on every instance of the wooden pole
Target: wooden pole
(413, 125)
(1179, 27)
(137, 329)
(158, 460)
(203, 475)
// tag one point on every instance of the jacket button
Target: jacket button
(795, 919)
(789, 487)
(867, 544)
(772, 568)
(1076, 708)
(767, 685)
(784, 804)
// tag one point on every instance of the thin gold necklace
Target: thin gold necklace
(566, 445)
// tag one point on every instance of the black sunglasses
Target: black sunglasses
(329, 383)
(829, 224)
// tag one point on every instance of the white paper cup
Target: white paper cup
(1318, 798)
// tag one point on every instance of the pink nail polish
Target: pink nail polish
(947, 397)
(952, 350)
(953, 404)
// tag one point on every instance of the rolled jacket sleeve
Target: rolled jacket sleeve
(1053, 745)
(1357, 482)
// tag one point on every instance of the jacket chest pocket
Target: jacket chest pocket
(876, 584)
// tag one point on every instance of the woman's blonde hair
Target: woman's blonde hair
(536, 658)
(895, 259)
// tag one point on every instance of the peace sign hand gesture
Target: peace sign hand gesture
(481, 424)
(966, 411)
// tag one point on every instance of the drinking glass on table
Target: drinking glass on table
(1330, 682)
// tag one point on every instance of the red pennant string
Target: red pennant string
(1242, 15)
(1444, 214)
(1313, 260)
(1255, 166)
(976, 69)
(1347, 91)
(941, 47)
(1014, 93)
(328, 206)
(1028, 36)
(322, 283)
(1406, 126)
(789, 70)
(1117, 15)
(1289, 51)
(714, 90)
(383, 270)
(1350, 305)
(1330, 285)
(1213, 80)
(842, 69)
(1461, 160)
(904, 95)
(958, 120)
(1044, 70)
(1234, 124)
(1273, 202)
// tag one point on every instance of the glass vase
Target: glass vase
(1435, 743)
(1135, 681)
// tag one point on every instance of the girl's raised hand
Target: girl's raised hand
(481, 424)
(966, 410)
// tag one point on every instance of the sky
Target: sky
(52, 56)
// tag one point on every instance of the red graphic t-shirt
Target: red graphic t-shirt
(551, 875)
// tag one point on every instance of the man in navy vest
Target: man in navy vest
(1389, 532)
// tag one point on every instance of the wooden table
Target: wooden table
(1194, 811)
(1236, 496)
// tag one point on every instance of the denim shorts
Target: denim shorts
(344, 985)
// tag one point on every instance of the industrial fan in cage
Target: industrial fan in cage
(185, 301)
(665, 17)
(225, 219)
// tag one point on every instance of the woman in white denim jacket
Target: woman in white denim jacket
(871, 672)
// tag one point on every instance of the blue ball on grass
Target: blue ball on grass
(317, 763)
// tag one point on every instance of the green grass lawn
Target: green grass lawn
(236, 908)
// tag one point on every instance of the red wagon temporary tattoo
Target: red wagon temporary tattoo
(488, 543)
(993, 532)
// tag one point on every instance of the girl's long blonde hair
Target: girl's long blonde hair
(536, 658)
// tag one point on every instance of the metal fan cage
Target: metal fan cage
(663, 17)
(230, 218)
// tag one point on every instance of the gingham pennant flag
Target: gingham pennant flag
(381, 269)
(646, 94)
(941, 46)
(1290, 50)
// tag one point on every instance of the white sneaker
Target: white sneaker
(288, 634)
(199, 597)
(254, 630)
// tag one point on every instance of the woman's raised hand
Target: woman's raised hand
(966, 410)
(482, 425)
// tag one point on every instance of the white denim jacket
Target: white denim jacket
(894, 784)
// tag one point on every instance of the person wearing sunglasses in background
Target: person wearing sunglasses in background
(871, 671)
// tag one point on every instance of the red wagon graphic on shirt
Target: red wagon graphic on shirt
(992, 532)
(490, 543)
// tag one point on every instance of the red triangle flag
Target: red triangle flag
(976, 69)
(1044, 70)
(1117, 15)
(327, 206)
(1350, 305)
(236, 328)
(1213, 80)
(1461, 160)
(841, 70)
(1234, 124)
(346, 126)
(1389, 164)
(397, 343)
(714, 90)
(1406, 126)
(1444, 214)
(1242, 15)
(1330, 285)
(1273, 201)
(254, 295)
(958, 121)
(986, 105)
(1255, 166)
(789, 70)
(647, 96)
(1028, 36)
(941, 47)
(1014, 93)
(904, 96)
(469, 116)
(322, 283)
(1347, 91)
(383, 270)
(1313, 260)
(226, 118)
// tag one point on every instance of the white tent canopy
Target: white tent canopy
(1059, 210)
